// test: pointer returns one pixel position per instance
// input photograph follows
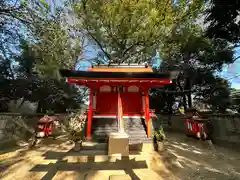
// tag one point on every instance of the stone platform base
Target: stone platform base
(118, 144)
(120, 177)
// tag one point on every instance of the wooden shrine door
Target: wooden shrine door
(107, 103)
(131, 103)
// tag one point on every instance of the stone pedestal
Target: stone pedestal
(120, 177)
(118, 144)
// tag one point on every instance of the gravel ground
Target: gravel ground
(184, 158)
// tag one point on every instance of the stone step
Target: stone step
(126, 129)
(135, 132)
(137, 135)
(101, 140)
(139, 126)
(104, 127)
(99, 127)
(120, 177)
(143, 134)
(134, 128)
(143, 139)
(99, 136)
(136, 141)
(131, 140)
(113, 128)
(132, 124)
(135, 123)
(94, 146)
(129, 134)
(103, 131)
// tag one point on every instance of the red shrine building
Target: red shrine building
(118, 92)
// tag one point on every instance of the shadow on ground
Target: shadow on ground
(188, 158)
(184, 158)
(55, 159)
(126, 164)
(87, 163)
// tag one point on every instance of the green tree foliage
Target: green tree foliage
(16, 21)
(26, 60)
(56, 50)
(45, 45)
(198, 58)
(223, 20)
(129, 30)
(125, 31)
(50, 93)
(214, 91)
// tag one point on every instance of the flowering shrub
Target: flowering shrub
(75, 127)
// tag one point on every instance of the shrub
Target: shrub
(75, 126)
(159, 135)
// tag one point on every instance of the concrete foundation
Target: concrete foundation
(118, 144)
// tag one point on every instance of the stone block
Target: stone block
(118, 144)
(120, 177)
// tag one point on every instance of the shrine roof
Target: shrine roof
(117, 75)
(121, 68)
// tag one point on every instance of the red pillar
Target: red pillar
(120, 112)
(90, 114)
(147, 117)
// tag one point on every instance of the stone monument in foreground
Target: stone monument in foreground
(118, 144)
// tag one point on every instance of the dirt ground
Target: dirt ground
(199, 160)
(184, 158)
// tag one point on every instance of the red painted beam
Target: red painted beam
(99, 82)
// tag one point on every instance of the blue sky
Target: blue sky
(232, 72)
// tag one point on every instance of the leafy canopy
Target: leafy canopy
(223, 19)
(129, 30)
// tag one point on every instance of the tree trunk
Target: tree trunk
(190, 100)
(189, 94)
(184, 102)
(183, 94)
(187, 80)
(169, 115)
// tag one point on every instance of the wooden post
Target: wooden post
(147, 117)
(90, 114)
(120, 112)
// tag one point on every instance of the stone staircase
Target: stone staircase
(102, 127)
(135, 128)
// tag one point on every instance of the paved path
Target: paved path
(184, 158)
